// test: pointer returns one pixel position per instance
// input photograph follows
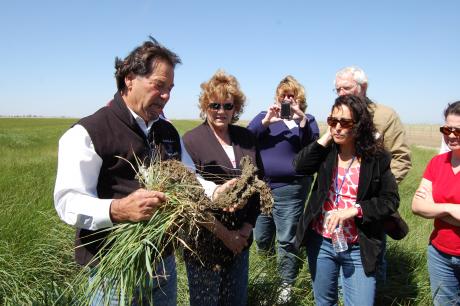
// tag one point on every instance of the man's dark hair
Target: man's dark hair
(452, 109)
(139, 61)
(364, 131)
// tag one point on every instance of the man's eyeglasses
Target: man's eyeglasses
(346, 89)
(345, 123)
(446, 130)
(217, 106)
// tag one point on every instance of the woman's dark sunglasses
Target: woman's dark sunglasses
(345, 123)
(217, 106)
(447, 130)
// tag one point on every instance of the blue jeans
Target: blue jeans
(226, 286)
(444, 273)
(326, 266)
(163, 289)
(289, 203)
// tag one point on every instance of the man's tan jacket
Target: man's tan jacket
(389, 126)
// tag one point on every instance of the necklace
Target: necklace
(336, 183)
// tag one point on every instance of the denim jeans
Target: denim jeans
(326, 266)
(289, 203)
(226, 286)
(164, 289)
(444, 273)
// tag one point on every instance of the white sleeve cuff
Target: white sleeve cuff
(75, 193)
(209, 186)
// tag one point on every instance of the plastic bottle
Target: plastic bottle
(338, 240)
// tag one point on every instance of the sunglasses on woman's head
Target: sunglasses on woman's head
(217, 106)
(446, 130)
(345, 123)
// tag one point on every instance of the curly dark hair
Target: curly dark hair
(364, 131)
(139, 61)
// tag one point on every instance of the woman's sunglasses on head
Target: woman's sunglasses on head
(446, 130)
(345, 123)
(217, 106)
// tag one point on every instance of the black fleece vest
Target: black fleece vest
(115, 133)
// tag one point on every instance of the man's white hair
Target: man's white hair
(358, 74)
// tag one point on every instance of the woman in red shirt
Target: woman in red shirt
(438, 197)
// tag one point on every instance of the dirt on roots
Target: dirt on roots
(236, 195)
(247, 185)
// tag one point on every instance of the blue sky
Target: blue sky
(58, 56)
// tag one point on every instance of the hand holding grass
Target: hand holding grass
(243, 188)
(221, 189)
(138, 206)
(226, 187)
(134, 249)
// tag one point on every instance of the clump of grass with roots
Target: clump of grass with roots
(134, 250)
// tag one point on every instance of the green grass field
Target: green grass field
(36, 263)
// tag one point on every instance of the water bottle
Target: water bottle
(338, 240)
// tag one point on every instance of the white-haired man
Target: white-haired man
(352, 80)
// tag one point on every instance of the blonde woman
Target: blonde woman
(280, 139)
(218, 271)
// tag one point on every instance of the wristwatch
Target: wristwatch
(360, 210)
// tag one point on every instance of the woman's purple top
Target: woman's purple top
(279, 145)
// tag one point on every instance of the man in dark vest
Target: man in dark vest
(94, 188)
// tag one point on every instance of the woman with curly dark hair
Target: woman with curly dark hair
(354, 191)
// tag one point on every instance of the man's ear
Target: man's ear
(129, 78)
(364, 88)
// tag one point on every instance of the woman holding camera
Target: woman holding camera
(354, 191)
(282, 131)
(438, 198)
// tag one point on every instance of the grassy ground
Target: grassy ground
(36, 247)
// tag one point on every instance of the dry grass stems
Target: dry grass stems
(135, 249)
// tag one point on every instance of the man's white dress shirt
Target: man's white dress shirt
(75, 193)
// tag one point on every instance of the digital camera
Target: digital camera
(285, 109)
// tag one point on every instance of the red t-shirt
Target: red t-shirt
(446, 189)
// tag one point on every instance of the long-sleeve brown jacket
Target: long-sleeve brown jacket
(389, 126)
